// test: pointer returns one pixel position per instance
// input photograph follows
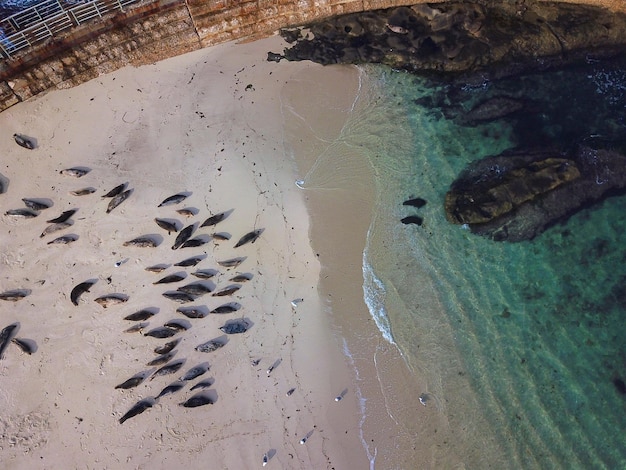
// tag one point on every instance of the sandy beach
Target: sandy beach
(208, 125)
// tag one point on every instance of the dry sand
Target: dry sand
(209, 124)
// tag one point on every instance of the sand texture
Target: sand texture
(207, 125)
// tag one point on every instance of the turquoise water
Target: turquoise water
(535, 330)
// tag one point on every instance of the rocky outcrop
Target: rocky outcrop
(461, 37)
(515, 196)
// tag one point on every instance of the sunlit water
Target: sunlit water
(535, 329)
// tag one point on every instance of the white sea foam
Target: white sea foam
(374, 296)
(362, 408)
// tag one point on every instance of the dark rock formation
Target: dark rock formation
(461, 37)
(515, 196)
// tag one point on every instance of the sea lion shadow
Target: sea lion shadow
(86, 169)
(211, 394)
(223, 340)
(270, 454)
(4, 183)
(29, 345)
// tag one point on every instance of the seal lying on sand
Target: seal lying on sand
(171, 388)
(116, 190)
(35, 204)
(24, 141)
(64, 240)
(142, 242)
(167, 347)
(214, 219)
(183, 236)
(6, 335)
(234, 327)
(138, 408)
(249, 237)
(195, 372)
(171, 278)
(76, 172)
(170, 368)
(23, 213)
(14, 295)
(65, 216)
(210, 346)
(79, 290)
(141, 315)
(111, 299)
(166, 225)
(55, 228)
(175, 199)
(198, 399)
(117, 200)
(83, 191)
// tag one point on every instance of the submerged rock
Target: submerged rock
(515, 196)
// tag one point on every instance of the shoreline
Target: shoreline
(340, 192)
(219, 144)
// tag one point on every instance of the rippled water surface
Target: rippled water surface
(535, 328)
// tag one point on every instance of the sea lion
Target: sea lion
(14, 295)
(117, 200)
(6, 335)
(27, 346)
(179, 297)
(177, 325)
(195, 372)
(227, 308)
(79, 290)
(195, 288)
(203, 384)
(63, 217)
(141, 315)
(190, 261)
(241, 278)
(161, 332)
(210, 346)
(167, 347)
(116, 190)
(76, 172)
(35, 204)
(175, 199)
(132, 382)
(111, 299)
(170, 368)
(183, 236)
(416, 202)
(227, 291)
(195, 242)
(192, 312)
(171, 388)
(64, 240)
(221, 236)
(234, 327)
(142, 242)
(23, 213)
(198, 399)
(412, 219)
(55, 228)
(162, 359)
(137, 327)
(83, 192)
(166, 225)
(187, 212)
(171, 278)
(157, 268)
(138, 408)
(249, 237)
(24, 141)
(231, 263)
(205, 273)
(214, 219)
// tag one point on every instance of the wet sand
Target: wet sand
(209, 125)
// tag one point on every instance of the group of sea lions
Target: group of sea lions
(216, 279)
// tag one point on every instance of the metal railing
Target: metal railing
(47, 19)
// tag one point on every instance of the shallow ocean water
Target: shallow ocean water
(535, 328)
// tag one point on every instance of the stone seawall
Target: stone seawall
(156, 30)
